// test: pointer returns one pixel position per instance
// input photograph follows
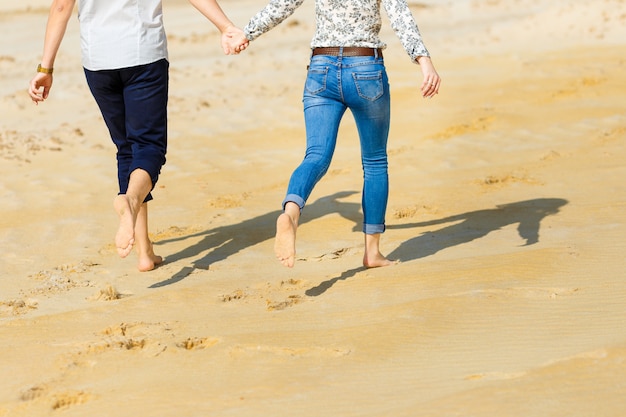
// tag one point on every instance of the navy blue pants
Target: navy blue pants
(133, 102)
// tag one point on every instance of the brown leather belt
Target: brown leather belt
(348, 51)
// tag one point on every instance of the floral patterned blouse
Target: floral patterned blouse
(346, 23)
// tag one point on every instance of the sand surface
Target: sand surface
(508, 194)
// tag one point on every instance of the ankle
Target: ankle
(294, 216)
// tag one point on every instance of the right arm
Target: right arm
(59, 16)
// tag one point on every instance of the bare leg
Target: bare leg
(286, 227)
(127, 207)
(373, 258)
(147, 259)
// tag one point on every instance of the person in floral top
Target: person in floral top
(346, 71)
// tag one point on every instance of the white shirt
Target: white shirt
(121, 33)
(346, 23)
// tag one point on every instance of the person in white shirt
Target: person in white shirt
(346, 71)
(125, 59)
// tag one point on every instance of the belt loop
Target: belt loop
(376, 55)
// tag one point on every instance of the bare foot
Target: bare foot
(377, 261)
(285, 243)
(125, 237)
(148, 261)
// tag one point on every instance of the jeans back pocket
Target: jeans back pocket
(369, 85)
(316, 80)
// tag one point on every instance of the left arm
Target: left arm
(403, 24)
(432, 81)
(58, 18)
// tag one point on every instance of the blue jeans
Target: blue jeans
(334, 84)
(133, 103)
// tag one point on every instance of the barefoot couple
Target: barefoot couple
(130, 86)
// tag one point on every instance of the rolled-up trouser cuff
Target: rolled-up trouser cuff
(372, 229)
(145, 200)
(294, 199)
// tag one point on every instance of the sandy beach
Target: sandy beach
(506, 211)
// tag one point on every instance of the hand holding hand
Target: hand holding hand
(432, 81)
(39, 88)
(234, 41)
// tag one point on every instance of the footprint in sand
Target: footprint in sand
(498, 181)
(174, 232)
(17, 307)
(197, 343)
(228, 201)
(139, 337)
(335, 254)
(284, 288)
(479, 124)
(62, 278)
(412, 211)
(281, 305)
(148, 339)
(68, 399)
(33, 393)
(269, 293)
(234, 296)
(55, 400)
(576, 88)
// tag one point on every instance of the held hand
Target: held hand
(234, 41)
(432, 81)
(39, 88)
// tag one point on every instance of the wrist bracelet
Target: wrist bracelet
(44, 70)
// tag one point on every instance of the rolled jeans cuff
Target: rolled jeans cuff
(372, 229)
(293, 198)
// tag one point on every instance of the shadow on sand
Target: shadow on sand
(465, 228)
(224, 241)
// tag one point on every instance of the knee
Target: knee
(375, 164)
(318, 161)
